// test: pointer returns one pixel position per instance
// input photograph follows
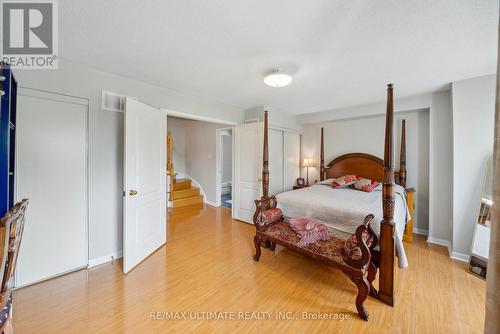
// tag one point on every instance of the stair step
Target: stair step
(180, 184)
(187, 201)
(190, 192)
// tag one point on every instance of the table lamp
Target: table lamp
(307, 163)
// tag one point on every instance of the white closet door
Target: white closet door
(292, 159)
(276, 163)
(52, 173)
(247, 170)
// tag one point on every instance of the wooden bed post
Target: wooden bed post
(265, 160)
(322, 158)
(386, 275)
(402, 157)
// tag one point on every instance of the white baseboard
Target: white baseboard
(420, 231)
(460, 256)
(211, 203)
(104, 259)
(442, 242)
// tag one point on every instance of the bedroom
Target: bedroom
(146, 66)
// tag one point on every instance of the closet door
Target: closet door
(276, 163)
(52, 173)
(292, 159)
(247, 170)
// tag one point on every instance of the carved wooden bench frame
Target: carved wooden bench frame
(362, 271)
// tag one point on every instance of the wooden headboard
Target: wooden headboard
(360, 164)
(363, 164)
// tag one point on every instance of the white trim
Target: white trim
(180, 114)
(105, 259)
(50, 277)
(460, 256)
(212, 203)
(420, 231)
(280, 128)
(441, 242)
(218, 162)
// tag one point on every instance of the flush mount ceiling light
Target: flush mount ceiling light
(277, 79)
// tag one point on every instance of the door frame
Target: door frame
(218, 164)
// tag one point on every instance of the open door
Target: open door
(145, 193)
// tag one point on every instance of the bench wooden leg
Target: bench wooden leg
(256, 241)
(372, 273)
(363, 290)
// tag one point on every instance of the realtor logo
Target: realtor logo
(29, 34)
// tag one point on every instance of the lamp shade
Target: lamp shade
(307, 162)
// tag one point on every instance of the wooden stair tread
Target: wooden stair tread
(181, 180)
(192, 200)
(183, 193)
(180, 184)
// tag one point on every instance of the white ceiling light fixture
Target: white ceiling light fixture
(278, 79)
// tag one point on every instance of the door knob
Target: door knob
(132, 192)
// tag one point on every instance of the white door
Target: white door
(247, 170)
(275, 161)
(52, 173)
(145, 193)
(292, 159)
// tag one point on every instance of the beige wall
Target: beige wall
(194, 152)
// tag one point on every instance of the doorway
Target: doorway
(225, 167)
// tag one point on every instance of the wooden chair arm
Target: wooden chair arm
(365, 250)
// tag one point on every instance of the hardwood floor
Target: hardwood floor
(207, 266)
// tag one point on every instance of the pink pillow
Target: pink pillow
(366, 185)
(269, 216)
(344, 181)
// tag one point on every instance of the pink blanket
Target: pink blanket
(309, 230)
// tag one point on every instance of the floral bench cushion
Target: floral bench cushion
(330, 249)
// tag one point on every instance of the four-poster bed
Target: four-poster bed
(372, 250)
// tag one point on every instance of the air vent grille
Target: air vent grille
(113, 101)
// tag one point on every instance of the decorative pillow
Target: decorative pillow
(344, 181)
(269, 216)
(327, 182)
(366, 185)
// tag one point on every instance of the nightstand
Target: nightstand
(300, 187)
(410, 194)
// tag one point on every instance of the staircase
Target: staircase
(184, 194)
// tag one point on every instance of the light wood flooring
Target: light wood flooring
(207, 266)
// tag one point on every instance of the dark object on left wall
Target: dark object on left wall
(8, 108)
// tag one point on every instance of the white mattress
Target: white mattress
(345, 209)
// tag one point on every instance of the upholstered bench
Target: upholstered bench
(350, 253)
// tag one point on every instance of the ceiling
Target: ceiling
(340, 53)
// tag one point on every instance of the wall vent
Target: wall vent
(113, 101)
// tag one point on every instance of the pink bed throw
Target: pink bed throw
(308, 230)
